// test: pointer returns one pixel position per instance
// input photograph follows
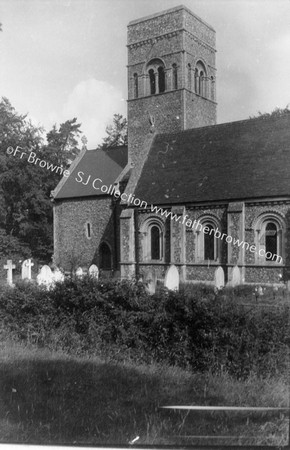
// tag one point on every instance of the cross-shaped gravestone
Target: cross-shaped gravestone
(26, 269)
(9, 267)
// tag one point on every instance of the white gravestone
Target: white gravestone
(94, 271)
(172, 278)
(58, 276)
(219, 278)
(45, 277)
(151, 281)
(26, 269)
(9, 267)
(236, 276)
(79, 272)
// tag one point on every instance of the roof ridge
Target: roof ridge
(225, 124)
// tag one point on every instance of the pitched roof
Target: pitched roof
(237, 160)
(105, 164)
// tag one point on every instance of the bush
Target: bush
(195, 328)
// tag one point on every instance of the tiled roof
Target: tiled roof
(238, 160)
(104, 164)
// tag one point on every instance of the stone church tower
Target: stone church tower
(171, 88)
(171, 76)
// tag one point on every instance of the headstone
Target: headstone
(45, 277)
(151, 282)
(219, 278)
(79, 272)
(172, 278)
(26, 269)
(236, 276)
(9, 267)
(58, 276)
(94, 271)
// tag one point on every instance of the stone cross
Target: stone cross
(9, 267)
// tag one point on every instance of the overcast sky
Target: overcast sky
(61, 59)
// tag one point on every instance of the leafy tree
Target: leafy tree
(277, 112)
(26, 220)
(117, 132)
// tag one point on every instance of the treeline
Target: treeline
(196, 328)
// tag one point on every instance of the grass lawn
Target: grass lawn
(53, 398)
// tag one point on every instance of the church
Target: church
(186, 191)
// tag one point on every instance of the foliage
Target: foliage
(117, 133)
(25, 188)
(120, 320)
(277, 112)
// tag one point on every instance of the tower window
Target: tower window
(152, 81)
(161, 79)
(105, 257)
(88, 228)
(200, 78)
(189, 76)
(174, 76)
(135, 85)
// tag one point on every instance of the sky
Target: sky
(61, 59)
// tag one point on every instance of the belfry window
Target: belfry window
(189, 76)
(161, 79)
(174, 76)
(200, 79)
(135, 85)
(152, 81)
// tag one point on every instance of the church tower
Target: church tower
(171, 76)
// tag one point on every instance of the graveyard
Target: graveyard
(90, 360)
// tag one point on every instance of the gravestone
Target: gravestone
(172, 278)
(58, 276)
(94, 271)
(151, 281)
(9, 267)
(79, 272)
(45, 277)
(26, 269)
(219, 278)
(236, 276)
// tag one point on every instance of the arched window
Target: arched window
(189, 76)
(269, 238)
(152, 81)
(152, 232)
(135, 85)
(161, 79)
(209, 244)
(200, 79)
(271, 241)
(156, 76)
(196, 83)
(174, 76)
(155, 242)
(105, 257)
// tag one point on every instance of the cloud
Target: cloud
(94, 103)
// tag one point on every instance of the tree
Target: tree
(277, 112)
(117, 133)
(26, 221)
